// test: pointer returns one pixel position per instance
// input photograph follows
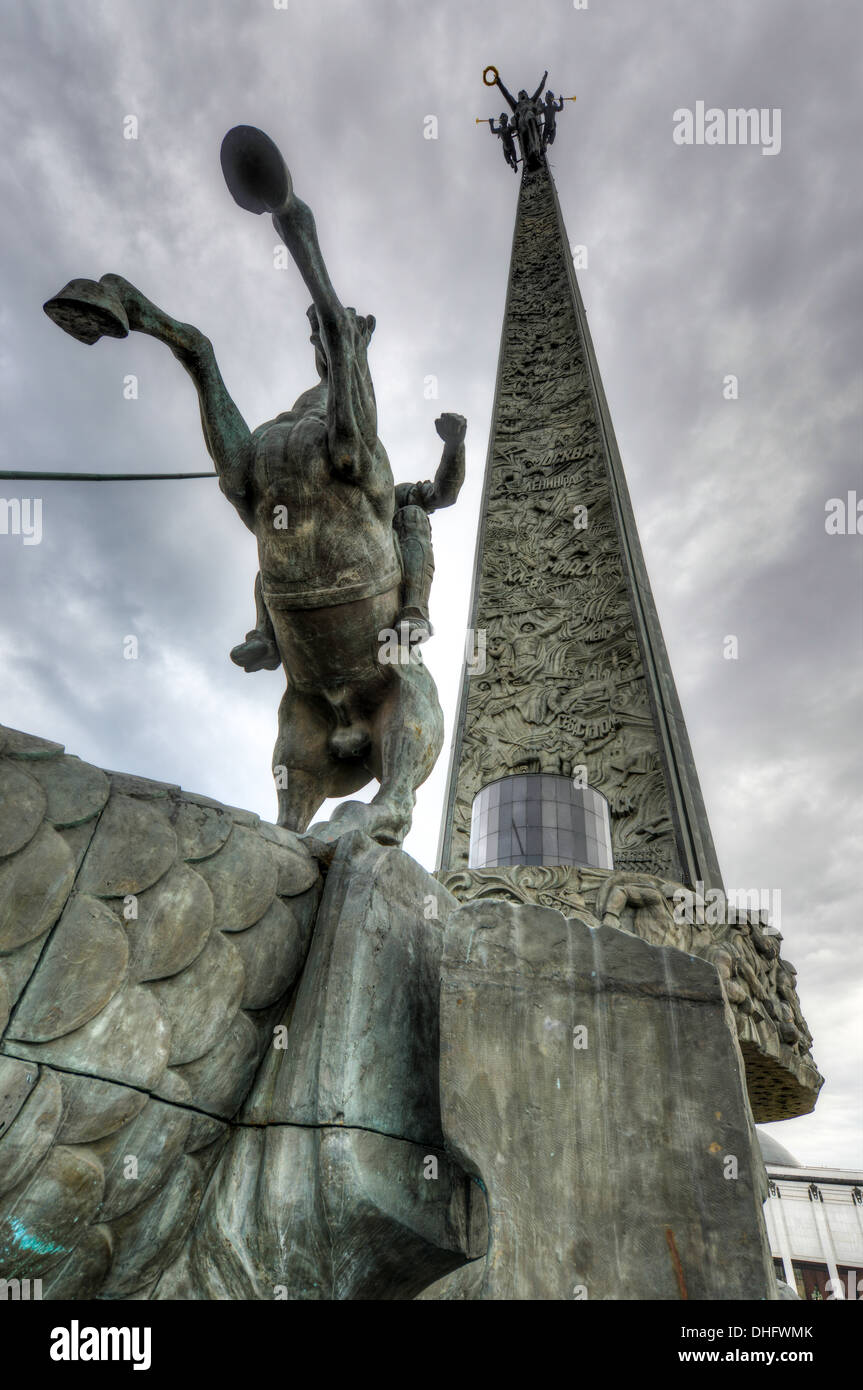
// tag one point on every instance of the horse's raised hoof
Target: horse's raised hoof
(88, 311)
(256, 175)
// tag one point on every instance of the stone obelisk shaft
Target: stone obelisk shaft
(576, 677)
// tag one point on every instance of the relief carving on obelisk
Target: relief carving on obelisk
(563, 687)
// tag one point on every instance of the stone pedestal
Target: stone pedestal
(335, 1183)
(592, 1083)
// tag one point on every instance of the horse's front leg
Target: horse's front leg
(110, 307)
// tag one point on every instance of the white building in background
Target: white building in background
(814, 1223)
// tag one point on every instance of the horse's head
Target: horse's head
(364, 327)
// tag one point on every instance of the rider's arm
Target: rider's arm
(450, 473)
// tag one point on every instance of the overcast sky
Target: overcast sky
(703, 261)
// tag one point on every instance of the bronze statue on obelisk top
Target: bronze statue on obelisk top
(533, 123)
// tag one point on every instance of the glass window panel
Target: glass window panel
(549, 846)
(533, 841)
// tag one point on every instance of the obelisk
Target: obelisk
(567, 699)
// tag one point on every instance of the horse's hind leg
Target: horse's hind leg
(301, 761)
(406, 736)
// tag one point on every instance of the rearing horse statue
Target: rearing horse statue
(345, 557)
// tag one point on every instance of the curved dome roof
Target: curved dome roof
(774, 1152)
